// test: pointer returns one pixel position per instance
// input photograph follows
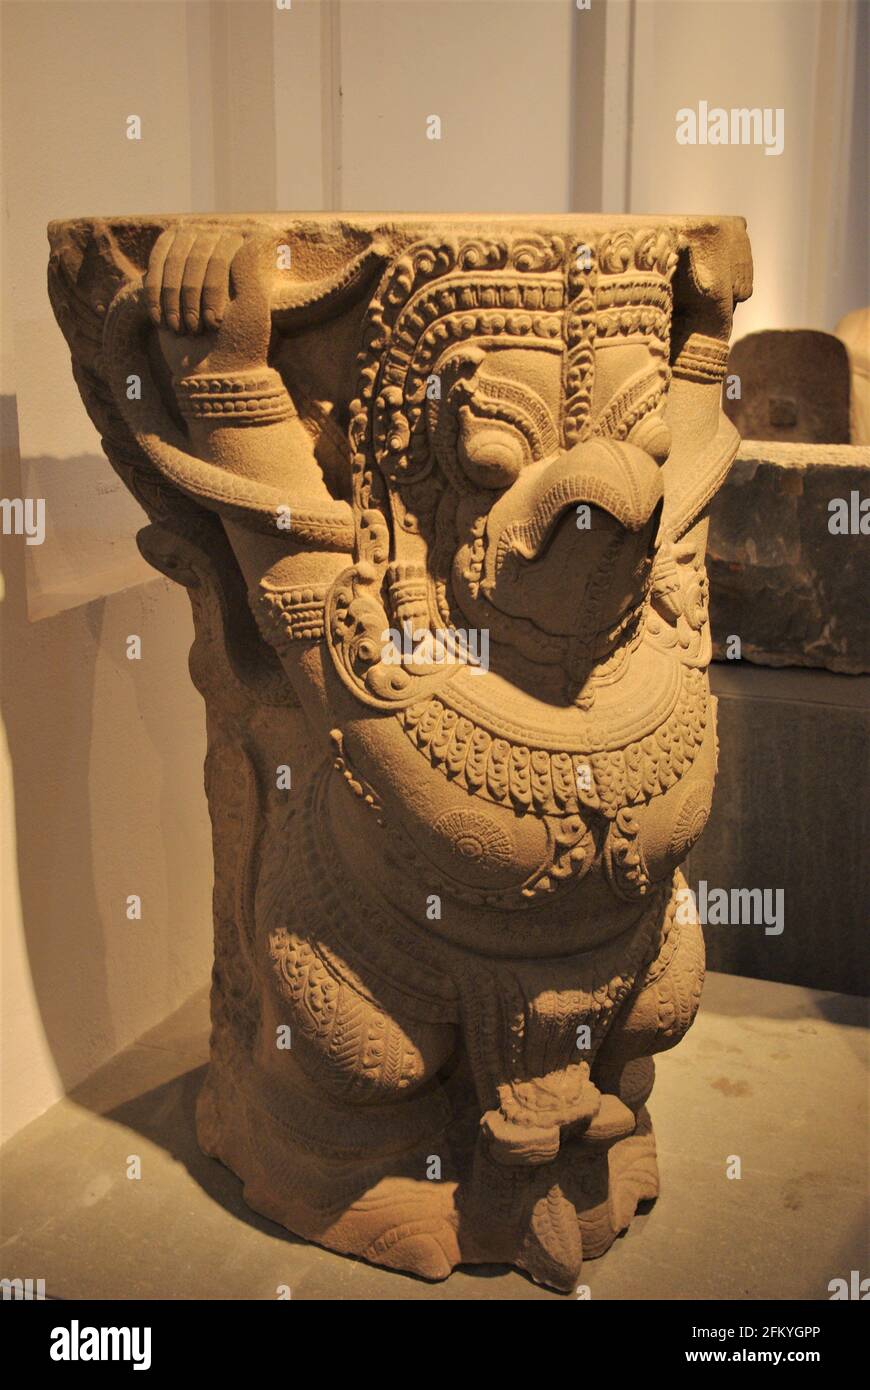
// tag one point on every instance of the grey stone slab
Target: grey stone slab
(773, 1074)
(792, 589)
(790, 812)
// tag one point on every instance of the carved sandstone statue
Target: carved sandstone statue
(438, 489)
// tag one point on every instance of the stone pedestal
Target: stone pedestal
(786, 556)
(790, 818)
(438, 491)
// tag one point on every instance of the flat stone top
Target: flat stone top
(369, 221)
(723, 237)
(803, 456)
(717, 247)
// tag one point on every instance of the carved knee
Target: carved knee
(337, 1037)
(664, 1005)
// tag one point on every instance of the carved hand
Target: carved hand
(209, 293)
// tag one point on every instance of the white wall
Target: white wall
(499, 78)
(805, 208)
(101, 757)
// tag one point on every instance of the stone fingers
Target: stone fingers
(187, 283)
(216, 281)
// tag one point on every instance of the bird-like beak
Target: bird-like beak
(568, 543)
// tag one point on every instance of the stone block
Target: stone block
(791, 814)
(794, 387)
(787, 556)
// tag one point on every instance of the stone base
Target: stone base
(546, 1219)
(788, 815)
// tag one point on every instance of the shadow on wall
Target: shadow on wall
(106, 769)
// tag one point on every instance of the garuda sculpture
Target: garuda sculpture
(438, 490)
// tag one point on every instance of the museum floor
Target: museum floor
(773, 1074)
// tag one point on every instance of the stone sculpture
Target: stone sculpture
(794, 387)
(438, 490)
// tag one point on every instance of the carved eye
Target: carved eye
(492, 455)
